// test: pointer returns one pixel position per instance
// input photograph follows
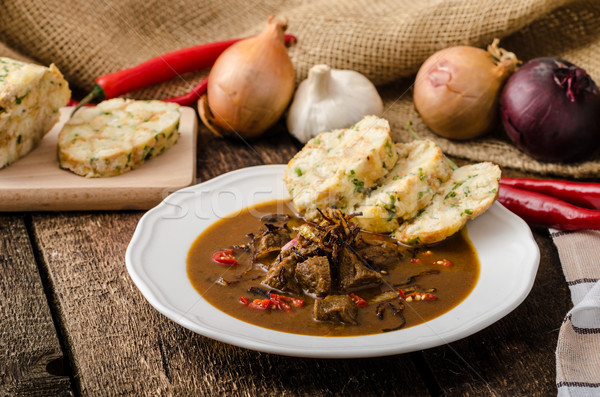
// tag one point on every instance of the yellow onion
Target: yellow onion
(457, 89)
(250, 84)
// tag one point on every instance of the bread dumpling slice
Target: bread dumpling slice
(469, 192)
(117, 136)
(338, 168)
(408, 187)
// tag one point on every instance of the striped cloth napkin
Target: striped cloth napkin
(578, 348)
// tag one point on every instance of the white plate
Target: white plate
(156, 261)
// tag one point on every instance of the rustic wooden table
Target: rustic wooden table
(73, 323)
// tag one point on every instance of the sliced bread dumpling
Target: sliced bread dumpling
(117, 136)
(338, 168)
(30, 99)
(408, 187)
(468, 193)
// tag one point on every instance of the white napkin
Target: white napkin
(578, 348)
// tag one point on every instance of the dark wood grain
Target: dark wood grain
(217, 155)
(120, 343)
(30, 353)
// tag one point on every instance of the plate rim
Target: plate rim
(307, 348)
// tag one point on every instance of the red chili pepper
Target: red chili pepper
(358, 301)
(278, 302)
(281, 305)
(541, 209)
(297, 302)
(260, 304)
(428, 297)
(584, 194)
(294, 301)
(425, 296)
(401, 294)
(225, 257)
(160, 68)
(416, 260)
(192, 96)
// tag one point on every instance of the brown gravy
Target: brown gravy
(452, 284)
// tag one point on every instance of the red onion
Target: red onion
(289, 244)
(550, 109)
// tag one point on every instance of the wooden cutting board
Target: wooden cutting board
(36, 183)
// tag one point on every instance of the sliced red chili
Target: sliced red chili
(401, 294)
(225, 257)
(294, 301)
(260, 304)
(428, 296)
(244, 301)
(358, 301)
(279, 304)
(444, 262)
(297, 302)
(416, 260)
(421, 296)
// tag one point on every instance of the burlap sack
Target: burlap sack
(385, 40)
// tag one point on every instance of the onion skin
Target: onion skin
(251, 84)
(457, 90)
(544, 117)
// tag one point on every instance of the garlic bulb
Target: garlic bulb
(329, 99)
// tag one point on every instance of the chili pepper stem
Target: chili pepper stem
(96, 93)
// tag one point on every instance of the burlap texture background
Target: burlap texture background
(385, 40)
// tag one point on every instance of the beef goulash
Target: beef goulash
(30, 99)
(117, 136)
(326, 277)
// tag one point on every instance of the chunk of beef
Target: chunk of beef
(380, 256)
(281, 275)
(353, 274)
(336, 308)
(314, 275)
(306, 248)
(270, 241)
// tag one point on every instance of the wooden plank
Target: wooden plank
(29, 347)
(36, 182)
(121, 345)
